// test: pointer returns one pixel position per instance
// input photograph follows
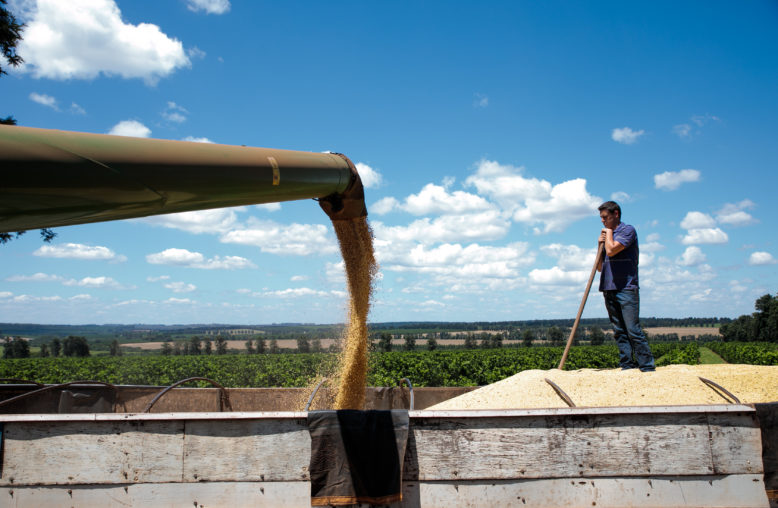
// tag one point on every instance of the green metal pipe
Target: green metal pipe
(56, 178)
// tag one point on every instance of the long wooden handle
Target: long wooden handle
(600, 247)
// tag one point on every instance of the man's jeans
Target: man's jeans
(623, 308)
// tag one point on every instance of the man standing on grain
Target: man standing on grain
(619, 286)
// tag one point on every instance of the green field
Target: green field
(424, 368)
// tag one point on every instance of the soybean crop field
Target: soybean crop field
(423, 368)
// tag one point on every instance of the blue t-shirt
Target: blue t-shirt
(621, 270)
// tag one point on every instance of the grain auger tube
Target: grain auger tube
(55, 178)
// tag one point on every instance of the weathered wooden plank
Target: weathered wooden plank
(552, 447)
(247, 450)
(100, 452)
(732, 491)
(151, 495)
(581, 445)
(736, 443)
(472, 413)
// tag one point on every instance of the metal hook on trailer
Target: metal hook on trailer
(716, 386)
(224, 398)
(561, 393)
(313, 394)
(410, 387)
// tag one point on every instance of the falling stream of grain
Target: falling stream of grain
(356, 246)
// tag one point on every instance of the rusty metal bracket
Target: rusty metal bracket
(410, 387)
(224, 398)
(716, 387)
(561, 393)
(313, 394)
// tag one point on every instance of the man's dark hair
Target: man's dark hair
(611, 207)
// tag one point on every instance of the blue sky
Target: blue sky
(486, 133)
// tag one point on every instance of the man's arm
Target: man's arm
(612, 247)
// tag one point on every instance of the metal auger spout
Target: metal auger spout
(349, 204)
(54, 178)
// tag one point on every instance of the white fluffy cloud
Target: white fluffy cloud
(695, 220)
(132, 128)
(446, 228)
(671, 180)
(625, 135)
(533, 201)
(36, 277)
(734, 214)
(434, 199)
(44, 100)
(705, 236)
(471, 268)
(297, 293)
(370, 177)
(573, 266)
(217, 220)
(621, 197)
(101, 282)
(180, 287)
(555, 276)
(78, 251)
(480, 100)
(692, 256)
(292, 239)
(571, 257)
(682, 130)
(81, 39)
(761, 258)
(183, 257)
(193, 139)
(174, 113)
(208, 6)
(384, 205)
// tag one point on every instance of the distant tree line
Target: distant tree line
(519, 326)
(761, 326)
(71, 346)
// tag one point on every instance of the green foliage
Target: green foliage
(596, 336)
(688, 354)
(761, 326)
(527, 337)
(303, 345)
(385, 342)
(16, 348)
(454, 367)
(751, 353)
(75, 346)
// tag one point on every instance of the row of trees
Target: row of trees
(71, 346)
(195, 346)
(554, 335)
(761, 326)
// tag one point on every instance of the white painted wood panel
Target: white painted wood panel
(731, 491)
(167, 495)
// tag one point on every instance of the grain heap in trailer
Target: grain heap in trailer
(691, 436)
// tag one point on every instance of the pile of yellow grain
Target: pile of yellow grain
(671, 385)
